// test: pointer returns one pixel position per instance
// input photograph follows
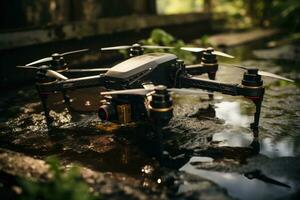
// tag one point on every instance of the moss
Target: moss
(63, 185)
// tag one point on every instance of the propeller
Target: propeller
(72, 70)
(209, 49)
(262, 73)
(56, 55)
(49, 72)
(54, 74)
(27, 67)
(135, 46)
(143, 91)
(88, 70)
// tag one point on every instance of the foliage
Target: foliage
(261, 12)
(161, 37)
(289, 14)
(68, 185)
(178, 6)
(242, 13)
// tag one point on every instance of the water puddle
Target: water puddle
(241, 187)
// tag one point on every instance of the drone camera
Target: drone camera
(107, 112)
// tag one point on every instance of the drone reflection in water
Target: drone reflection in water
(241, 187)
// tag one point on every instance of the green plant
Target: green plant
(161, 37)
(63, 185)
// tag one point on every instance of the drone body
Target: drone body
(153, 67)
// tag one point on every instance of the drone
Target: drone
(140, 88)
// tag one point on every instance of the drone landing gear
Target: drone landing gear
(67, 102)
(49, 119)
(211, 76)
(44, 98)
(255, 124)
(66, 98)
(158, 140)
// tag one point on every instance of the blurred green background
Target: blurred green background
(27, 13)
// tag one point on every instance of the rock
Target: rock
(116, 186)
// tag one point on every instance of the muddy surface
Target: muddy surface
(211, 151)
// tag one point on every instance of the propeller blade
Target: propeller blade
(193, 49)
(144, 92)
(54, 74)
(40, 61)
(27, 67)
(131, 46)
(219, 53)
(188, 91)
(234, 65)
(156, 47)
(140, 91)
(115, 48)
(199, 49)
(74, 52)
(48, 59)
(88, 70)
(268, 74)
(262, 73)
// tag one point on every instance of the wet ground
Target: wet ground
(213, 153)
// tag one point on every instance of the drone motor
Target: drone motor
(160, 105)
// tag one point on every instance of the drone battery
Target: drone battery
(124, 113)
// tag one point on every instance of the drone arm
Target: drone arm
(85, 72)
(225, 88)
(72, 84)
(254, 93)
(189, 81)
(84, 82)
(44, 98)
(199, 69)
